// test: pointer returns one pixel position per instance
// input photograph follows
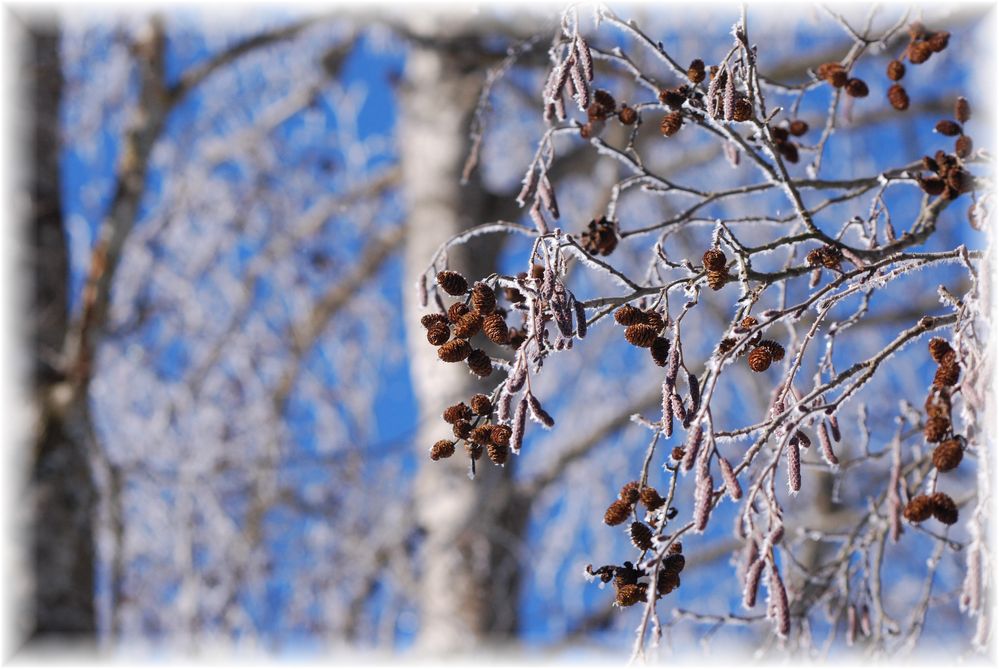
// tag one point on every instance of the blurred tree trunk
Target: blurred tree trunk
(468, 585)
(61, 491)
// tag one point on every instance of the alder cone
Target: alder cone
(641, 536)
(627, 115)
(654, 319)
(630, 492)
(452, 283)
(898, 97)
(457, 412)
(495, 328)
(455, 350)
(651, 498)
(462, 429)
(640, 335)
(617, 512)
(789, 150)
(726, 345)
(775, 350)
(714, 260)
(896, 70)
(481, 405)
(468, 325)
(918, 509)
(963, 146)
(797, 127)
(480, 363)
(759, 359)
(944, 508)
(936, 429)
(742, 110)
(857, 88)
(938, 403)
(696, 71)
(947, 374)
(483, 298)
(671, 123)
(947, 455)
(918, 52)
(442, 449)
(677, 453)
(748, 322)
(456, 311)
(938, 41)
(660, 351)
(629, 595)
(667, 582)
(834, 73)
(939, 348)
(717, 280)
(629, 315)
(498, 453)
(932, 185)
(429, 320)
(500, 435)
(962, 110)
(948, 128)
(674, 562)
(438, 334)
(482, 434)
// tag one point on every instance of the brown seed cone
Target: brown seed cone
(641, 536)
(944, 508)
(930, 165)
(468, 325)
(717, 280)
(939, 348)
(826, 70)
(957, 179)
(500, 435)
(857, 88)
(473, 450)
(660, 351)
(714, 260)
(462, 429)
(442, 449)
(742, 110)
(481, 404)
(651, 498)
(947, 455)
(674, 562)
(482, 434)
(494, 326)
(480, 363)
(627, 115)
(455, 350)
(696, 71)
(918, 509)
(838, 79)
(962, 110)
(630, 492)
(932, 185)
(918, 52)
(456, 311)
(936, 429)
(898, 97)
(452, 283)
(677, 453)
(673, 97)
(780, 134)
(938, 403)
(671, 123)
(429, 320)
(629, 595)
(790, 151)
(438, 334)
(640, 335)
(947, 127)
(498, 453)
(457, 412)
(748, 322)
(629, 315)
(617, 512)
(797, 127)
(918, 31)
(963, 146)
(483, 298)
(896, 70)
(775, 350)
(938, 41)
(653, 318)
(726, 345)
(667, 583)
(947, 375)
(759, 359)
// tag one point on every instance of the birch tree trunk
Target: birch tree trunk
(469, 581)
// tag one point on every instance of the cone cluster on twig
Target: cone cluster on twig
(939, 429)
(643, 328)
(600, 237)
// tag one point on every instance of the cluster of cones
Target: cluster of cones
(643, 329)
(762, 352)
(602, 108)
(949, 452)
(629, 589)
(471, 425)
(949, 178)
(600, 237)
